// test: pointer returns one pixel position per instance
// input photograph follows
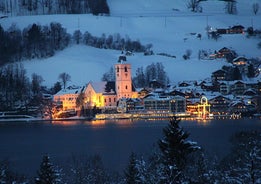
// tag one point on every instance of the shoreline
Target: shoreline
(133, 116)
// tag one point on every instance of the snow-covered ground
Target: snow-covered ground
(165, 24)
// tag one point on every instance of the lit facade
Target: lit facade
(123, 85)
(97, 96)
(67, 98)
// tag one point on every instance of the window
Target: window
(117, 69)
(126, 87)
(125, 69)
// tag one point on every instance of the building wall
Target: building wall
(68, 101)
(123, 80)
(92, 98)
(175, 104)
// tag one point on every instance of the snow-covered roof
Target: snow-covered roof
(99, 87)
(70, 90)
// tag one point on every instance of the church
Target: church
(105, 95)
(102, 95)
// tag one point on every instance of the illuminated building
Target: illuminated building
(105, 95)
(123, 85)
(175, 104)
(100, 95)
(67, 97)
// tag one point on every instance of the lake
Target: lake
(24, 144)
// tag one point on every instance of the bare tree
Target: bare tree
(194, 5)
(64, 77)
(230, 7)
(255, 8)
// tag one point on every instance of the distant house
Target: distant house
(222, 31)
(249, 92)
(155, 84)
(238, 88)
(184, 84)
(224, 88)
(242, 107)
(225, 53)
(143, 92)
(240, 61)
(177, 93)
(219, 75)
(238, 29)
(129, 105)
(219, 104)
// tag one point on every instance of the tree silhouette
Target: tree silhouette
(64, 77)
(175, 149)
(47, 173)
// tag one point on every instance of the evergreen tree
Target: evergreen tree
(175, 150)
(47, 173)
(87, 170)
(135, 172)
(243, 163)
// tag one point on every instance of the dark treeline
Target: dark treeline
(116, 42)
(154, 72)
(175, 159)
(37, 41)
(20, 94)
(36, 7)
(34, 41)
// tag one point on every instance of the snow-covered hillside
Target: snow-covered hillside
(165, 24)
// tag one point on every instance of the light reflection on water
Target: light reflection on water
(114, 140)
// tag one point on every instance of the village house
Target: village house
(238, 87)
(219, 104)
(66, 98)
(224, 88)
(219, 75)
(175, 104)
(237, 29)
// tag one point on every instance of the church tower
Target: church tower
(123, 85)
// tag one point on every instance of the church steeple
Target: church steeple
(123, 80)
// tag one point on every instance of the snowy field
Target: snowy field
(165, 24)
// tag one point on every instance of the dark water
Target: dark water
(24, 143)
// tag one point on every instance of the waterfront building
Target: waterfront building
(66, 98)
(102, 95)
(175, 104)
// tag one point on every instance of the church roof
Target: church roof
(103, 87)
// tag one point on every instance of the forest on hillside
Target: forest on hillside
(42, 7)
(37, 41)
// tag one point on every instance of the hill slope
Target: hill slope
(165, 24)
